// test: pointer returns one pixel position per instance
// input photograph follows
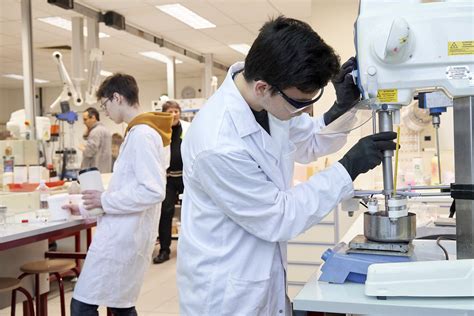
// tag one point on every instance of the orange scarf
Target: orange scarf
(159, 121)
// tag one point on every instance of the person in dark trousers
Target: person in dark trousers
(174, 182)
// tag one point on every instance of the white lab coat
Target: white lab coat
(185, 126)
(124, 240)
(239, 206)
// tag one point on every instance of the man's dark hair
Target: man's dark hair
(123, 84)
(93, 112)
(170, 104)
(289, 53)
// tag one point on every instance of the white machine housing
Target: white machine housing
(447, 278)
(406, 45)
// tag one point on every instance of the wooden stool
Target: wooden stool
(13, 285)
(52, 267)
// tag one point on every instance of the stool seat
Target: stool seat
(48, 266)
(9, 284)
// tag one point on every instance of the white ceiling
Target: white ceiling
(237, 21)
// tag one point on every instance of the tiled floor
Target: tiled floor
(158, 296)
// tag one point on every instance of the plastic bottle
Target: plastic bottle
(43, 195)
(8, 160)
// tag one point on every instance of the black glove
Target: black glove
(367, 153)
(347, 93)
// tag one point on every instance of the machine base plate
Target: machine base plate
(360, 244)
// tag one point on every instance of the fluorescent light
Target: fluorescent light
(241, 48)
(65, 24)
(105, 73)
(160, 57)
(101, 35)
(186, 16)
(20, 77)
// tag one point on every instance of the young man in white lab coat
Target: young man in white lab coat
(239, 206)
(121, 250)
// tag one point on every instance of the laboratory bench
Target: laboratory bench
(350, 298)
(25, 239)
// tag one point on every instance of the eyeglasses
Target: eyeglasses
(298, 105)
(103, 105)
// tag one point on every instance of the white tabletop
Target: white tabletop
(350, 298)
(15, 230)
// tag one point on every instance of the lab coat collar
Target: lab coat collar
(242, 115)
(238, 107)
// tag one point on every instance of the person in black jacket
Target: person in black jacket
(174, 182)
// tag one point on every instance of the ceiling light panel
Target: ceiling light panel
(20, 77)
(186, 16)
(159, 57)
(66, 24)
(105, 73)
(241, 48)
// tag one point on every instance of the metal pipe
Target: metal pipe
(386, 125)
(363, 193)
(437, 152)
(413, 194)
(28, 73)
(425, 187)
(374, 122)
(171, 77)
(367, 192)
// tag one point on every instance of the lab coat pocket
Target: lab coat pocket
(244, 297)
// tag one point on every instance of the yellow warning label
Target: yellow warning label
(388, 96)
(460, 48)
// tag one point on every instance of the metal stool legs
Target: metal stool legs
(29, 301)
(61, 292)
(37, 292)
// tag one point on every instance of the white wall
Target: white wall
(10, 101)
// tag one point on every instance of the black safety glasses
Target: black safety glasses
(299, 105)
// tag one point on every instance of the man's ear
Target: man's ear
(117, 97)
(260, 87)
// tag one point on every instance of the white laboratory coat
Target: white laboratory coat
(124, 240)
(239, 206)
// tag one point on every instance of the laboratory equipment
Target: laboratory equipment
(69, 89)
(93, 78)
(407, 48)
(451, 278)
(19, 128)
(342, 266)
(43, 195)
(90, 179)
(56, 203)
(67, 156)
(24, 152)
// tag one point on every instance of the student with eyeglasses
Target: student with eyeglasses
(123, 243)
(240, 207)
